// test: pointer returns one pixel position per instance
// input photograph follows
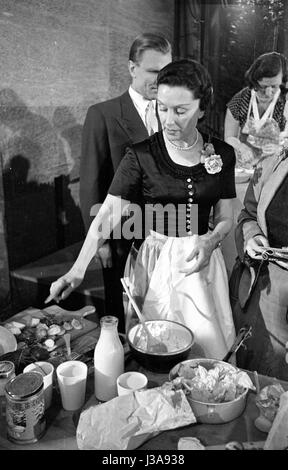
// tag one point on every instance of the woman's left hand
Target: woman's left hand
(200, 255)
(271, 149)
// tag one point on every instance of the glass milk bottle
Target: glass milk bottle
(108, 359)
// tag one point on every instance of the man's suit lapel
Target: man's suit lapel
(269, 189)
(130, 119)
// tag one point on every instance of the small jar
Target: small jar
(25, 409)
(7, 372)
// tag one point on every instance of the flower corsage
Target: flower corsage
(212, 162)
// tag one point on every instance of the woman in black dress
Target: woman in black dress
(175, 178)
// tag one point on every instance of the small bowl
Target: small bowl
(213, 413)
(8, 342)
(170, 333)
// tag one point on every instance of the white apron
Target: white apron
(199, 301)
(255, 120)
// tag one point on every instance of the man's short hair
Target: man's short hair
(147, 41)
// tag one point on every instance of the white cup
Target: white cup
(130, 382)
(47, 370)
(72, 377)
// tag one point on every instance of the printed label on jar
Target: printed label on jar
(25, 408)
(26, 421)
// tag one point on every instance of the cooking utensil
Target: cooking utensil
(244, 333)
(67, 338)
(162, 362)
(72, 356)
(256, 381)
(153, 344)
(82, 312)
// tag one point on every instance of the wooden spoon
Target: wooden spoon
(153, 344)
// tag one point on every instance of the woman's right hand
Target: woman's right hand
(256, 246)
(62, 287)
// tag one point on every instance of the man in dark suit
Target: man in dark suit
(108, 129)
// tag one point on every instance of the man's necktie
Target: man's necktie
(150, 119)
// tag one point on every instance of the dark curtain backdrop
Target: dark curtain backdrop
(227, 36)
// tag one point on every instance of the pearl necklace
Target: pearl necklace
(184, 149)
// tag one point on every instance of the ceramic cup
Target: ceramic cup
(130, 382)
(72, 378)
(47, 370)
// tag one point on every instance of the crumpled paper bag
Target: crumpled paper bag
(277, 438)
(127, 421)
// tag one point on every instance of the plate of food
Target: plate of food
(46, 328)
(38, 335)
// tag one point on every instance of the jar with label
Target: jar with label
(25, 408)
(7, 372)
(108, 359)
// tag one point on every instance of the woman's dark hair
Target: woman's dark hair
(189, 74)
(267, 65)
(148, 41)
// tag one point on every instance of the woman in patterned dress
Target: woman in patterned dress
(261, 102)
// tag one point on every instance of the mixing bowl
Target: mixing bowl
(177, 337)
(212, 413)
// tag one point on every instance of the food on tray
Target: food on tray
(219, 384)
(43, 331)
(269, 133)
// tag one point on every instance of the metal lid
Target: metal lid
(109, 321)
(6, 368)
(24, 385)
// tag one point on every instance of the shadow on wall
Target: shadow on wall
(38, 161)
(69, 133)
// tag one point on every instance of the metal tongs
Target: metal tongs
(275, 254)
(244, 333)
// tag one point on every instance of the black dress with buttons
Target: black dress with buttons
(147, 175)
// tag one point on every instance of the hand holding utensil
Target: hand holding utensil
(153, 344)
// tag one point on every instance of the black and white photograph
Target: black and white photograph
(143, 234)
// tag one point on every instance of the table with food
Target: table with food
(70, 381)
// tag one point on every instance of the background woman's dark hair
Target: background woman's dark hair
(148, 41)
(190, 74)
(267, 65)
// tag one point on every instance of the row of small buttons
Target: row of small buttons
(188, 206)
